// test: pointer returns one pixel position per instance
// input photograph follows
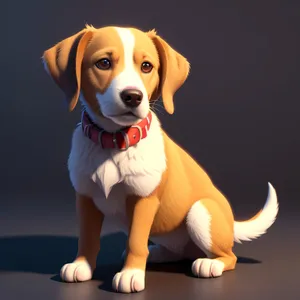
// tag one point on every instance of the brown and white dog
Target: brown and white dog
(127, 171)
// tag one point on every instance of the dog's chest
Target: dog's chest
(109, 176)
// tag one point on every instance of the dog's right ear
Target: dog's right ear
(63, 63)
(174, 71)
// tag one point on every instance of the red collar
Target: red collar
(122, 139)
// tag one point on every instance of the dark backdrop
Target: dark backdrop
(237, 114)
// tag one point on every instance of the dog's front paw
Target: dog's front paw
(76, 272)
(205, 267)
(129, 281)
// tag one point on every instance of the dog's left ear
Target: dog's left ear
(174, 70)
(63, 63)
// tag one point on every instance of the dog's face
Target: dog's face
(116, 72)
(120, 73)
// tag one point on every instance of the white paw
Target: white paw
(129, 281)
(205, 267)
(76, 272)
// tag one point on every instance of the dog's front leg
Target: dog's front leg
(90, 224)
(141, 213)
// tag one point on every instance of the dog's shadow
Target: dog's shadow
(47, 254)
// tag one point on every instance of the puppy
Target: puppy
(127, 171)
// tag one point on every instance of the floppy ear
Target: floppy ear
(174, 70)
(63, 63)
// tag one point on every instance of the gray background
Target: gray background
(237, 114)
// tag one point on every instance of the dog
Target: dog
(128, 172)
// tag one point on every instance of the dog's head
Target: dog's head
(116, 72)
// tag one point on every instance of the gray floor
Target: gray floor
(36, 240)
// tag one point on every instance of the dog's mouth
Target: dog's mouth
(126, 114)
(125, 119)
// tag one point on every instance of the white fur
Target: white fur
(109, 175)
(198, 223)
(206, 268)
(105, 123)
(76, 272)
(249, 230)
(129, 281)
(110, 102)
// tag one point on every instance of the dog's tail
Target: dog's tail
(258, 225)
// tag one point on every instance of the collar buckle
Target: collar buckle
(140, 131)
(125, 136)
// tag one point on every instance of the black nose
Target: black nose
(132, 97)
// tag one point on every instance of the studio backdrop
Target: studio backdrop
(237, 114)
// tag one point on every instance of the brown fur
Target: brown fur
(174, 204)
(71, 65)
(184, 182)
(174, 71)
(90, 224)
(64, 62)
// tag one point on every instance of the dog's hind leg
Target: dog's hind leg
(211, 230)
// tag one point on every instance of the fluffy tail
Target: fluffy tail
(258, 225)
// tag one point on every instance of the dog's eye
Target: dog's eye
(103, 64)
(146, 67)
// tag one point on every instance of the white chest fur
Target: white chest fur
(108, 176)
